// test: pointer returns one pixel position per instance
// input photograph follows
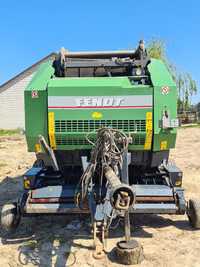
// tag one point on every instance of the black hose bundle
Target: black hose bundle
(108, 150)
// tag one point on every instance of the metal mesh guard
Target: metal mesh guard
(65, 140)
(92, 125)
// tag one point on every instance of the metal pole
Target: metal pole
(97, 54)
(125, 179)
(127, 227)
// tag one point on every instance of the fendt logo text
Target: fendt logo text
(99, 102)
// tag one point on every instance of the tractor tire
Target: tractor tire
(194, 213)
(10, 217)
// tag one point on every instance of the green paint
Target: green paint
(45, 84)
(36, 108)
(95, 86)
(160, 77)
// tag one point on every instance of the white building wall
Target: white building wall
(12, 104)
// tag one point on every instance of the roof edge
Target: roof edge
(2, 86)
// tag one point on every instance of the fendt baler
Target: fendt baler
(102, 125)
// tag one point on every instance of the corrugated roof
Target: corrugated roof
(25, 73)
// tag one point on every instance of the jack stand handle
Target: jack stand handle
(127, 226)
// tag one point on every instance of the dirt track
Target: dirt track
(61, 241)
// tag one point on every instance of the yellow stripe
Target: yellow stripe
(52, 130)
(149, 127)
(163, 145)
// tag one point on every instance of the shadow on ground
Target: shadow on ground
(59, 240)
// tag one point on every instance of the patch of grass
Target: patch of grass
(196, 125)
(10, 132)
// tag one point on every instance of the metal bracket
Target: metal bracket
(181, 200)
(49, 152)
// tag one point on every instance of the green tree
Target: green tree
(156, 49)
(186, 85)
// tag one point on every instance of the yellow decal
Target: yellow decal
(97, 115)
(163, 145)
(37, 148)
(52, 130)
(27, 184)
(178, 183)
(149, 128)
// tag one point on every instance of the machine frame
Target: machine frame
(142, 173)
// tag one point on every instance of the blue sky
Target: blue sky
(29, 30)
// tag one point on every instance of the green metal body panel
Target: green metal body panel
(84, 87)
(160, 78)
(73, 124)
(36, 106)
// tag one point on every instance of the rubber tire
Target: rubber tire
(194, 213)
(10, 217)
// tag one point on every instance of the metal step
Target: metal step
(153, 190)
(63, 208)
(155, 208)
(149, 199)
(56, 191)
(53, 208)
(68, 191)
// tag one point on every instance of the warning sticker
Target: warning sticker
(165, 90)
(34, 94)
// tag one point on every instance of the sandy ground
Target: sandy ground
(62, 241)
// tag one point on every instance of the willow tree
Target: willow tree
(186, 85)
